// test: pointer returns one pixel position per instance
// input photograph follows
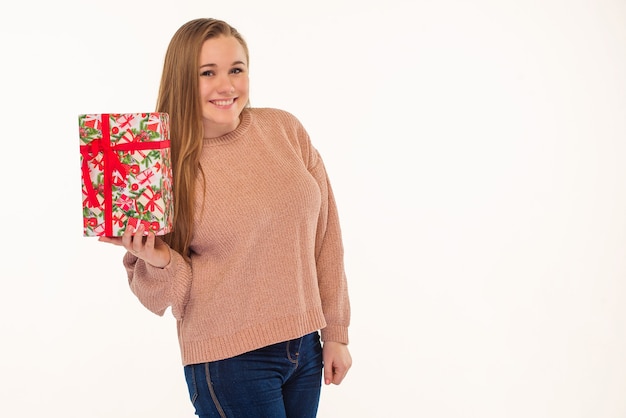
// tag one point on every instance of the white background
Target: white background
(477, 150)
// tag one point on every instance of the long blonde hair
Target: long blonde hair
(179, 97)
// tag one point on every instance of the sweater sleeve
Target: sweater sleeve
(160, 288)
(329, 258)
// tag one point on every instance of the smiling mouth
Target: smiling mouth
(223, 102)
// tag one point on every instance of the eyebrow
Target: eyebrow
(215, 65)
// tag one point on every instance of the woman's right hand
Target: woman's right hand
(149, 248)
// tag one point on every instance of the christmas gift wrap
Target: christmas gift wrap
(126, 172)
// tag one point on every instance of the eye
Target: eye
(207, 73)
(236, 71)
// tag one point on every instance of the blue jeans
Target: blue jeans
(282, 380)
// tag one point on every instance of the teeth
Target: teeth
(223, 102)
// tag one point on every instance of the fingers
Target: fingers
(133, 240)
(335, 373)
(127, 238)
(150, 241)
(328, 373)
(137, 245)
(337, 362)
(144, 246)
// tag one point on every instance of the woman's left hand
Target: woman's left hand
(337, 362)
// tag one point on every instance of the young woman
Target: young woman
(253, 270)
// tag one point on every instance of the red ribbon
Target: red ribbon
(111, 162)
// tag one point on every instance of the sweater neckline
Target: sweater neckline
(240, 130)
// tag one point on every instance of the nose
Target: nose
(225, 86)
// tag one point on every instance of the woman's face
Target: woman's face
(223, 84)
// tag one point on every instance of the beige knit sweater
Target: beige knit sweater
(266, 253)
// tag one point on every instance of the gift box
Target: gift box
(126, 172)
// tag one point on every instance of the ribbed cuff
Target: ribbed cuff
(335, 333)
